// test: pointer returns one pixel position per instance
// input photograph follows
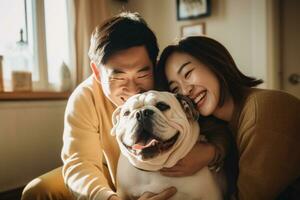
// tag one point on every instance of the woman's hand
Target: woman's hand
(200, 156)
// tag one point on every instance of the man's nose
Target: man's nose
(142, 115)
(132, 88)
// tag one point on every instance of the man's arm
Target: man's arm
(82, 152)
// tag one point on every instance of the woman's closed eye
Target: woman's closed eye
(174, 90)
(187, 75)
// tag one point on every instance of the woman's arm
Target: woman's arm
(268, 140)
(210, 153)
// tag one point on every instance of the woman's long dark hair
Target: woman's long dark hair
(216, 57)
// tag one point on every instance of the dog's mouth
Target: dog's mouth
(151, 146)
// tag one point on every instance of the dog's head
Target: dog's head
(148, 125)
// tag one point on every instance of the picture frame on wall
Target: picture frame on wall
(197, 29)
(192, 9)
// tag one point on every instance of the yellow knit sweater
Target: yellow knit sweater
(89, 153)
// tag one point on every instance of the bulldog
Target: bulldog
(155, 130)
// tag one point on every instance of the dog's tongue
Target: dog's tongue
(139, 146)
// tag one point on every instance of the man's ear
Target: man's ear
(188, 107)
(95, 70)
(115, 120)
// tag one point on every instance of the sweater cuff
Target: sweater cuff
(104, 194)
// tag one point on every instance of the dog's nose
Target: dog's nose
(144, 114)
(148, 112)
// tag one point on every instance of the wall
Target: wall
(30, 140)
(240, 25)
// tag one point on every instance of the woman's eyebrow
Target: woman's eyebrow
(180, 69)
(182, 66)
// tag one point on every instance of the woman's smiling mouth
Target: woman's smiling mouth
(200, 98)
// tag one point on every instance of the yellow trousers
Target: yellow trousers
(49, 186)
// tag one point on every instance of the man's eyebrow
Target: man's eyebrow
(117, 71)
(182, 66)
(145, 68)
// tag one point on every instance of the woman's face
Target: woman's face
(187, 76)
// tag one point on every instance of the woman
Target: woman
(265, 123)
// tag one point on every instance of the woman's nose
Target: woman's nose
(186, 89)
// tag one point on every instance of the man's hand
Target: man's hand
(166, 194)
(114, 197)
(200, 156)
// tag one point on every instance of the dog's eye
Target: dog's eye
(162, 106)
(126, 113)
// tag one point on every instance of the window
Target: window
(38, 32)
(57, 40)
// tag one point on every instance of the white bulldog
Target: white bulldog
(156, 130)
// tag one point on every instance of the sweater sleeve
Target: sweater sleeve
(82, 151)
(268, 140)
(218, 133)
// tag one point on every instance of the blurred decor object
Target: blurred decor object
(65, 78)
(21, 81)
(21, 75)
(193, 30)
(192, 9)
(1, 75)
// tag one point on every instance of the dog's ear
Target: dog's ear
(115, 120)
(188, 107)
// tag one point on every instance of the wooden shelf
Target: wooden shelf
(35, 95)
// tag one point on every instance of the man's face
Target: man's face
(126, 73)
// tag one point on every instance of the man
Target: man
(123, 53)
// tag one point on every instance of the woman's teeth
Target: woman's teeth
(200, 97)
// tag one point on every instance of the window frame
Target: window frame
(35, 32)
(39, 46)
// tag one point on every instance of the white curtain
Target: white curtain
(88, 14)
